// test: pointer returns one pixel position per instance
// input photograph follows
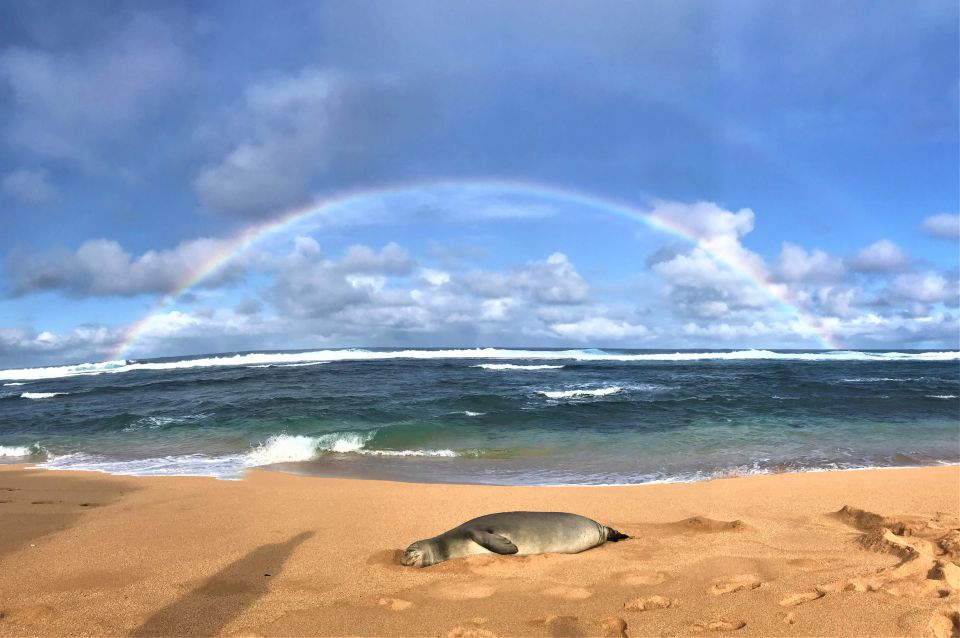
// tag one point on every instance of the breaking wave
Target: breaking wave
(512, 366)
(279, 448)
(577, 394)
(41, 395)
(322, 356)
(21, 450)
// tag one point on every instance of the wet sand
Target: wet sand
(831, 553)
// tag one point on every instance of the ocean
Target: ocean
(492, 416)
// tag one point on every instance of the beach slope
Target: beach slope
(831, 553)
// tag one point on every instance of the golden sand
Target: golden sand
(866, 553)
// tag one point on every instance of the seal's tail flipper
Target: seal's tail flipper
(614, 536)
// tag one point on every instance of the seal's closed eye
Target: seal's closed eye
(494, 542)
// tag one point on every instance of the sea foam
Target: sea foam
(19, 450)
(512, 366)
(279, 448)
(581, 393)
(41, 395)
(321, 356)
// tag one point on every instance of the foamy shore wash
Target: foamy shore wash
(285, 448)
(279, 448)
(321, 356)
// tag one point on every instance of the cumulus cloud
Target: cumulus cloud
(707, 283)
(926, 287)
(22, 346)
(553, 281)
(880, 256)
(705, 220)
(30, 186)
(101, 267)
(942, 226)
(797, 265)
(309, 284)
(598, 329)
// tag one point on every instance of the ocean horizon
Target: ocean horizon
(488, 415)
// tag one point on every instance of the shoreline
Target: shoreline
(290, 468)
(283, 554)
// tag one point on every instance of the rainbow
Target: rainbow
(257, 233)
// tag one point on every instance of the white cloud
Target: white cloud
(705, 220)
(554, 281)
(21, 346)
(102, 267)
(797, 265)
(944, 226)
(434, 277)
(598, 329)
(880, 256)
(30, 186)
(697, 281)
(928, 287)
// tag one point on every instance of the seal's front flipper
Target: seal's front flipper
(494, 542)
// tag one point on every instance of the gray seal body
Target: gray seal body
(518, 533)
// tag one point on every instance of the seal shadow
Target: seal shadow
(206, 610)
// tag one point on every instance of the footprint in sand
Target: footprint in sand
(788, 617)
(720, 624)
(573, 627)
(647, 603)
(737, 583)
(560, 626)
(470, 632)
(463, 591)
(945, 624)
(804, 564)
(395, 604)
(647, 577)
(569, 593)
(615, 627)
(802, 597)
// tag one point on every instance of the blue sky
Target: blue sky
(812, 146)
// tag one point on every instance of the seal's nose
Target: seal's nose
(411, 557)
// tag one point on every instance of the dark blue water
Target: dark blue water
(490, 416)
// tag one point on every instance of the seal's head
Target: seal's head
(420, 554)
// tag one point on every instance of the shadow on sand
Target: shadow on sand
(35, 503)
(206, 610)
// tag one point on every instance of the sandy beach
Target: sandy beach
(855, 553)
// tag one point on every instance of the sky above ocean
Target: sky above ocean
(190, 177)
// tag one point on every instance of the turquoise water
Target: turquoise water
(488, 416)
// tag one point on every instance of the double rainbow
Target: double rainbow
(777, 293)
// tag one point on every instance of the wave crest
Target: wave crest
(513, 366)
(41, 395)
(320, 356)
(22, 450)
(577, 394)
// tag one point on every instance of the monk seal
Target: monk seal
(520, 533)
